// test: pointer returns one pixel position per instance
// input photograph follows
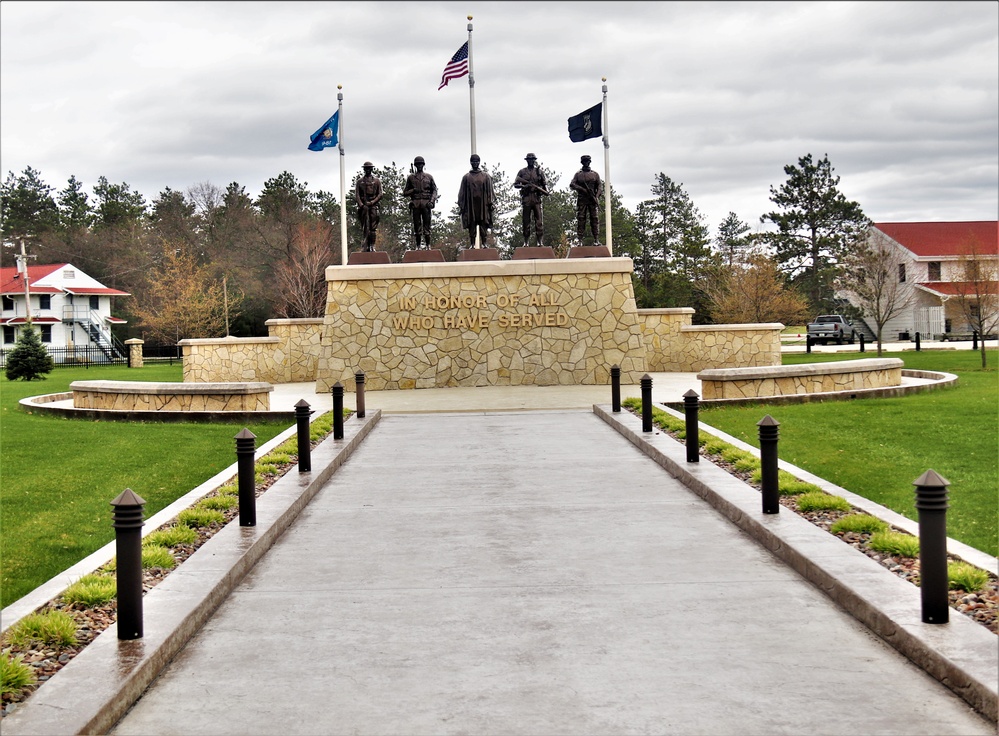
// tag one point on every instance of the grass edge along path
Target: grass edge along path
(973, 592)
(876, 447)
(59, 474)
(33, 649)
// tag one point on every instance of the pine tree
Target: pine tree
(29, 360)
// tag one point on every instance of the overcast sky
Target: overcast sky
(719, 96)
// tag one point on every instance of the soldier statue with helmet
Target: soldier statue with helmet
(588, 188)
(368, 193)
(422, 192)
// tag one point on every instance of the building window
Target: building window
(69, 274)
(901, 273)
(934, 270)
(95, 302)
(45, 301)
(9, 335)
(46, 331)
(8, 303)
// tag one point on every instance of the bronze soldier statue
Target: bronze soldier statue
(422, 192)
(476, 199)
(368, 193)
(588, 187)
(532, 185)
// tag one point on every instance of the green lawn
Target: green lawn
(878, 447)
(58, 476)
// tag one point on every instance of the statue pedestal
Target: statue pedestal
(528, 252)
(367, 258)
(479, 254)
(589, 251)
(423, 256)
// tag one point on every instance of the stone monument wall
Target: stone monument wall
(497, 323)
(481, 323)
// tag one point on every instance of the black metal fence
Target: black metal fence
(76, 356)
(162, 354)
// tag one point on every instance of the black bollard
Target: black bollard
(769, 431)
(974, 339)
(646, 383)
(359, 381)
(931, 503)
(338, 411)
(808, 343)
(127, 525)
(917, 342)
(615, 388)
(862, 342)
(302, 414)
(245, 449)
(690, 405)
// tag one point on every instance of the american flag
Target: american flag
(457, 67)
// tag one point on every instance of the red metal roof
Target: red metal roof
(944, 238)
(34, 320)
(956, 288)
(11, 283)
(95, 291)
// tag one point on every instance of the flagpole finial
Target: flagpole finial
(339, 86)
(603, 79)
(469, 17)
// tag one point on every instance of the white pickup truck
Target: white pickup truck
(828, 327)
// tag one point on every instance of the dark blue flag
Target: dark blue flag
(326, 136)
(587, 124)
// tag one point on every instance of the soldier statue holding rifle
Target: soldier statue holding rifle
(588, 187)
(531, 182)
(368, 193)
(422, 192)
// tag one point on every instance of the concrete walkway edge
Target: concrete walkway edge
(94, 690)
(960, 654)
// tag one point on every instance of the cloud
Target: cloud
(719, 96)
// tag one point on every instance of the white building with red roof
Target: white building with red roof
(933, 259)
(71, 310)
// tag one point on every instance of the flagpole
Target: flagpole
(607, 179)
(471, 85)
(343, 187)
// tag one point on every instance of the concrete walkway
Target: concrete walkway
(529, 573)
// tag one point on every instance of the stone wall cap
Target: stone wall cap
(809, 369)
(668, 310)
(228, 340)
(294, 321)
(150, 387)
(479, 268)
(748, 326)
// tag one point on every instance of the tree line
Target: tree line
(212, 261)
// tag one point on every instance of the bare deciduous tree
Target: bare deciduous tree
(301, 278)
(978, 290)
(870, 276)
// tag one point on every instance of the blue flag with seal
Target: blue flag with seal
(587, 124)
(326, 136)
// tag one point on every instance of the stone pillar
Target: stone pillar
(134, 352)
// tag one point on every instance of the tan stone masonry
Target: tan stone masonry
(480, 323)
(151, 396)
(851, 375)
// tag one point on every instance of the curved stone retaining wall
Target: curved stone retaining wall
(171, 397)
(834, 376)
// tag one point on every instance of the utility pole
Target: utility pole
(22, 268)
